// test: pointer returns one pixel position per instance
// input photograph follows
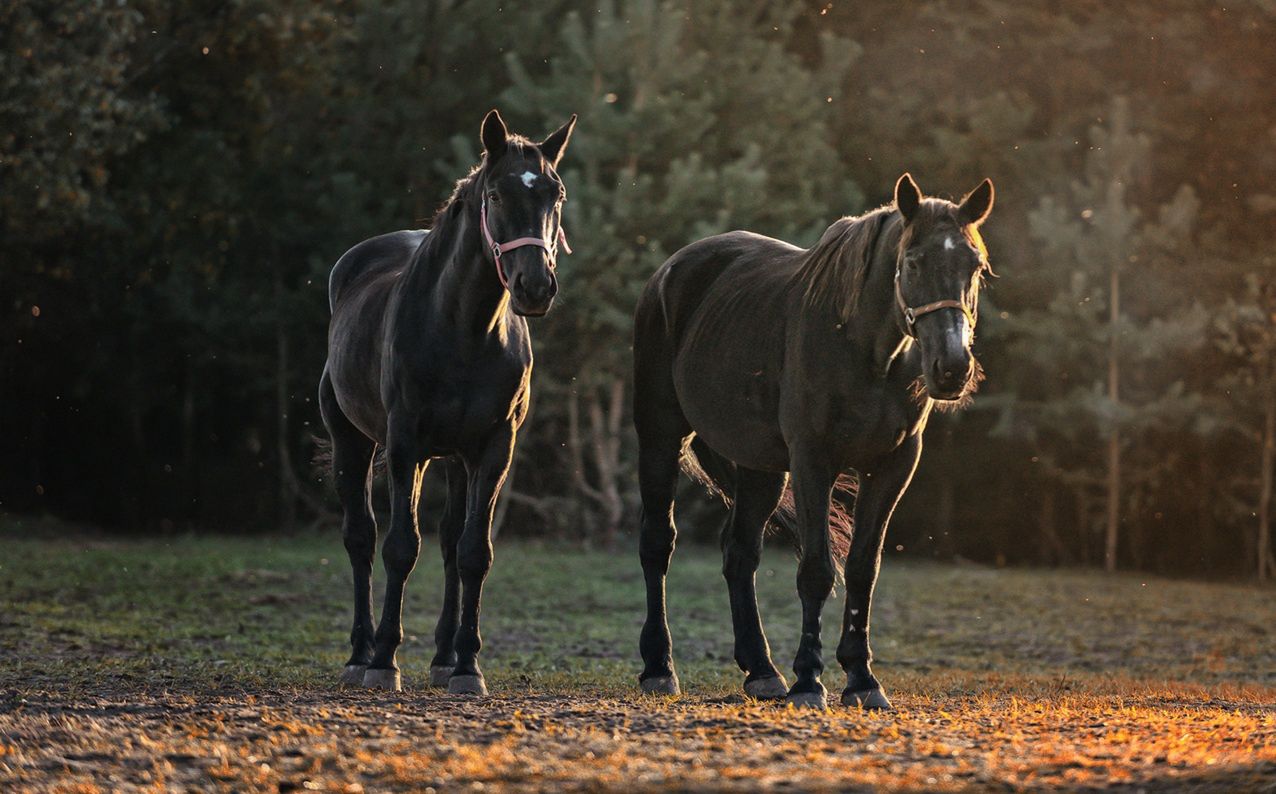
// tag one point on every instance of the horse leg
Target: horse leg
(398, 553)
(880, 491)
(756, 496)
(450, 529)
(657, 477)
(352, 453)
(812, 488)
(474, 557)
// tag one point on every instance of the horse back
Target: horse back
(742, 261)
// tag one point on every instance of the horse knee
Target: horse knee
(474, 562)
(738, 562)
(360, 537)
(400, 552)
(815, 576)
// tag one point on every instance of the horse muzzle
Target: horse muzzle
(534, 296)
(949, 377)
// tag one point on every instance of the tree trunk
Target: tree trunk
(604, 446)
(1266, 565)
(1052, 551)
(1114, 431)
(190, 488)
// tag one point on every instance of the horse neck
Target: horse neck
(455, 277)
(877, 317)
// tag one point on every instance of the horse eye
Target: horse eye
(494, 197)
(911, 262)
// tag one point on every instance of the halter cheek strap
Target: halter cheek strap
(911, 313)
(500, 248)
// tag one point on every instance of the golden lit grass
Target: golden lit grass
(210, 667)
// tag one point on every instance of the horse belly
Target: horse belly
(734, 410)
(354, 365)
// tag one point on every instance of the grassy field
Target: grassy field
(211, 663)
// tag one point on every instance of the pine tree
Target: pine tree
(694, 119)
(1103, 362)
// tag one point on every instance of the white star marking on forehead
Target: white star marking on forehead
(949, 244)
(528, 179)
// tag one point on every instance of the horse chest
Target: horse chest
(864, 424)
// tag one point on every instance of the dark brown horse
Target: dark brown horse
(429, 356)
(771, 363)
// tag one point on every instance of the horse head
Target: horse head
(939, 265)
(522, 203)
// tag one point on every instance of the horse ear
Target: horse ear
(974, 209)
(908, 197)
(494, 133)
(553, 146)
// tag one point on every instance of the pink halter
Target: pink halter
(499, 248)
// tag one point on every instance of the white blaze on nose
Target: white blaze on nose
(528, 179)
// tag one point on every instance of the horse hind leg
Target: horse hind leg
(756, 496)
(450, 529)
(352, 454)
(657, 477)
(661, 426)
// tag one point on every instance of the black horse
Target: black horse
(429, 356)
(755, 361)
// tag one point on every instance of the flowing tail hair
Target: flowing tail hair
(717, 475)
(321, 460)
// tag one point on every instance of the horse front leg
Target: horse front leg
(755, 498)
(813, 478)
(399, 554)
(880, 490)
(474, 557)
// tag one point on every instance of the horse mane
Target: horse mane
(835, 268)
(465, 189)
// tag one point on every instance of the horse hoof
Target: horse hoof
(774, 688)
(439, 676)
(808, 700)
(660, 685)
(352, 675)
(382, 679)
(466, 685)
(867, 699)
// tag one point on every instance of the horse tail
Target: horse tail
(321, 460)
(717, 475)
(708, 468)
(841, 521)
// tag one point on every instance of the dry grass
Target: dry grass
(207, 664)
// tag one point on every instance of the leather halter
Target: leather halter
(500, 248)
(911, 313)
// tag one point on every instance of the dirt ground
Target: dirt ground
(209, 664)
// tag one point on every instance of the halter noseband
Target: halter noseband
(912, 313)
(500, 248)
